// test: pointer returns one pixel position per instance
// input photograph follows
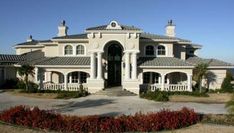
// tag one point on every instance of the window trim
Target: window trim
(165, 50)
(64, 50)
(84, 50)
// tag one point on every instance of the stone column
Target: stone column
(93, 66)
(99, 73)
(134, 65)
(65, 81)
(163, 82)
(189, 77)
(127, 66)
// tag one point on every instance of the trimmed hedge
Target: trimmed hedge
(158, 95)
(36, 118)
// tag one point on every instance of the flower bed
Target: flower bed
(36, 118)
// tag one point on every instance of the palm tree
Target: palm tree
(25, 71)
(200, 72)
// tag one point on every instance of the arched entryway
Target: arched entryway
(114, 58)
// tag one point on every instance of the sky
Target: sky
(206, 22)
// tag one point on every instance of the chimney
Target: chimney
(62, 29)
(170, 29)
(29, 38)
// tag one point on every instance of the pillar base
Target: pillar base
(95, 85)
(132, 86)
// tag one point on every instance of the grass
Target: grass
(230, 105)
(49, 94)
(220, 119)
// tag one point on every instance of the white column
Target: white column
(70, 78)
(40, 72)
(93, 66)
(99, 73)
(134, 65)
(36, 74)
(189, 77)
(127, 66)
(78, 77)
(163, 82)
(65, 81)
(49, 76)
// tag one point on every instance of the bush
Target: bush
(194, 93)
(36, 118)
(230, 105)
(156, 95)
(226, 85)
(164, 95)
(71, 94)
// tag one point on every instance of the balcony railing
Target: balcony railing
(61, 86)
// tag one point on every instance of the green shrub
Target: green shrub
(230, 105)
(20, 84)
(226, 85)
(156, 95)
(71, 94)
(194, 93)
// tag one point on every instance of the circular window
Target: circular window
(113, 24)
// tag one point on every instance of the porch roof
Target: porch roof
(162, 61)
(6, 59)
(82, 61)
(211, 62)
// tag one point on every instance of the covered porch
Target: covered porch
(169, 81)
(49, 79)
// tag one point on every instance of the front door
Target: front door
(114, 65)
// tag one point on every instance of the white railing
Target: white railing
(61, 86)
(53, 86)
(73, 87)
(167, 87)
(175, 87)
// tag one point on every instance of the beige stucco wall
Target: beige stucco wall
(220, 75)
(179, 51)
(20, 51)
(51, 50)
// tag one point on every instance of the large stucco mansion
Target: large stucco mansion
(112, 55)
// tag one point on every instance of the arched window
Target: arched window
(68, 50)
(80, 50)
(161, 50)
(149, 50)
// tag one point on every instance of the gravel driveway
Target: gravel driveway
(105, 105)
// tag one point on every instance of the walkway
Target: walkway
(105, 105)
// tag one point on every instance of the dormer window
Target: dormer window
(68, 50)
(80, 50)
(161, 50)
(149, 50)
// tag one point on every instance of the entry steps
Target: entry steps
(115, 91)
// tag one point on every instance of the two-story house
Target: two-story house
(112, 55)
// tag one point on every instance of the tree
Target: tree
(200, 72)
(25, 71)
(226, 84)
